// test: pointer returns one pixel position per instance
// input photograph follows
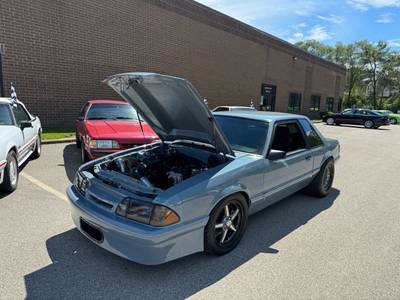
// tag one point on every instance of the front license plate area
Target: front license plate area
(91, 231)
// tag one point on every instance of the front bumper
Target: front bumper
(137, 242)
(3, 164)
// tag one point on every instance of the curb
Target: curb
(59, 141)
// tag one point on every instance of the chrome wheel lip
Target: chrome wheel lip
(13, 172)
(228, 223)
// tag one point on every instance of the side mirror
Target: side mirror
(276, 154)
(80, 118)
(26, 124)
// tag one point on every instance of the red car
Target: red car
(108, 126)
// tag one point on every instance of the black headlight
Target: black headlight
(81, 182)
(147, 213)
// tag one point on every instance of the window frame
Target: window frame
(328, 104)
(290, 108)
(22, 108)
(313, 107)
(291, 153)
(316, 132)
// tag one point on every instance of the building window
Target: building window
(329, 103)
(294, 102)
(315, 103)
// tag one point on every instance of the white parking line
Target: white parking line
(45, 187)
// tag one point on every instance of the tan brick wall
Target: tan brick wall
(58, 51)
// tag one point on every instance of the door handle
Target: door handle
(308, 157)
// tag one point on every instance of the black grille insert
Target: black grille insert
(91, 231)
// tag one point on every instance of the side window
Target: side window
(222, 108)
(20, 114)
(312, 136)
(288, 137)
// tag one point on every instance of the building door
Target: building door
(268, 96)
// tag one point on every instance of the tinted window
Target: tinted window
(312, 136)
(5, 115)
(243, 134)
(222, 108)
(20, 114)
(315, 103)
(294, 102)
(112, 112)
(347, 112)
(288, 137)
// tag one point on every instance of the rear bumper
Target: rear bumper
(137, 242)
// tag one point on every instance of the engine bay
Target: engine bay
(164, 166)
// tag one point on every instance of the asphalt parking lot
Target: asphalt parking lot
(345, 246)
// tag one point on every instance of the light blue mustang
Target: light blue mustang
(194, 189)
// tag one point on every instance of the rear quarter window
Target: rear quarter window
(313, 138)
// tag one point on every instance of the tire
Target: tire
(393, 121)
(321, 185)
(84, 156)
(10, 180)
(77, 141)
(330, 121)
(38, 148)
(369, 124)
(216, 241)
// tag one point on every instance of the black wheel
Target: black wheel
(226, 225)
(369, 124)
(393, 121)
(10, 178)
(78, 141)
(322, 183)
(38, 147)
(84, 156)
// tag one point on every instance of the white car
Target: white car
(20, 139)
(233, 108)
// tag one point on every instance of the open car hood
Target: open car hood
(172, 107)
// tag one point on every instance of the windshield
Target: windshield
(244, 134)
(112, 111)
(5, 115)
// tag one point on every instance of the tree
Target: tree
(374, 57)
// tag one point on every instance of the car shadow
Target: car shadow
(80, 269)
(72, 160)
(360, 126)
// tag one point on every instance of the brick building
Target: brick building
(58, 51)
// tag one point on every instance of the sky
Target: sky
(327, 21)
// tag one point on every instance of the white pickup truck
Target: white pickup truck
(20, 139)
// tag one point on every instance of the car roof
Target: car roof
(95, 101)
(260, 115)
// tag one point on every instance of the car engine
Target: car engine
(163, 167)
